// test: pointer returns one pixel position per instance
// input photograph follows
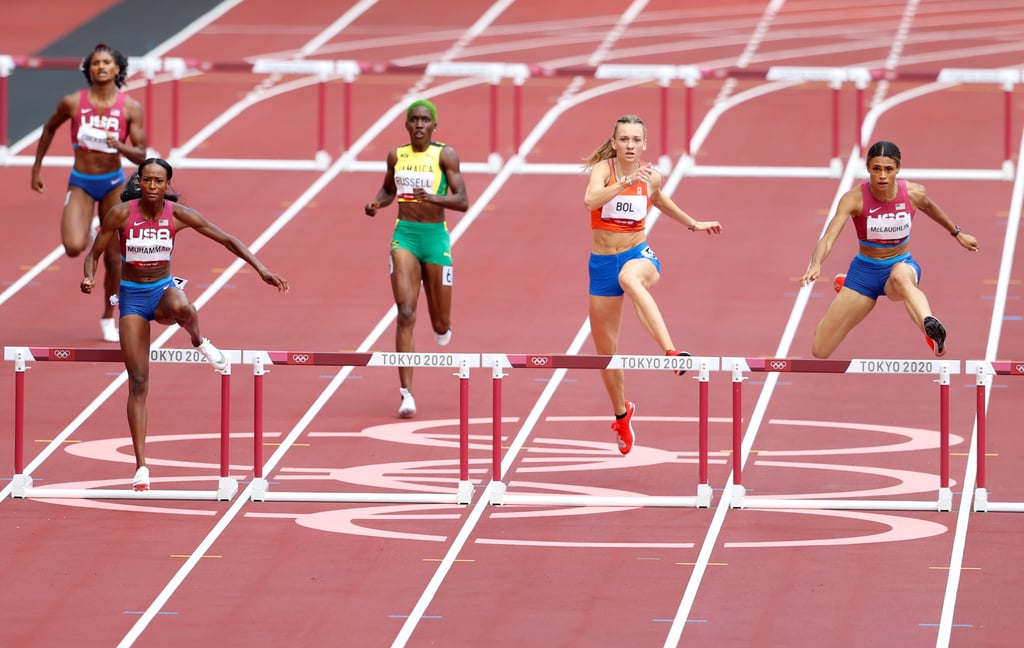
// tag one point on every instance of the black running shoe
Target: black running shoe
(936, 333)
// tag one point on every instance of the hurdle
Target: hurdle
(500, 362)
(942, 368)
(259, 360)
(835, 77)
(22, 482)
(984, 372)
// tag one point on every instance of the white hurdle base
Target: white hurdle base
(740, 500)
(501, 497)
(22, 489)
(261, 493)
(227, 488)
(20, 484)
(982, 505)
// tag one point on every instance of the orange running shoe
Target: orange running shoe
(838, 282)
(624, 428)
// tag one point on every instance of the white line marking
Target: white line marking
(956, 559)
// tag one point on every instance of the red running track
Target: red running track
(241, 572)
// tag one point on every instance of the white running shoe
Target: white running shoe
(443, 340)
(408, 407)
(214, 355)
(108, 325)
(141, 481)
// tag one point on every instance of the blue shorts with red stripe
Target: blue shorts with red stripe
(868, 276)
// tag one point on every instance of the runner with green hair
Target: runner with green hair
(425, 178)
(424, 103)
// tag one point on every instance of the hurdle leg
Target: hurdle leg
(497, 488)
(980, 491)
(259, 484)
(703, 486)
(465, 493)
(945, 502)
(20, 482)
(226, 485)
(739, 493)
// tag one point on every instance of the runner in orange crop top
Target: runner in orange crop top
(619, 194)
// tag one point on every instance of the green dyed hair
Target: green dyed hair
(421, 102)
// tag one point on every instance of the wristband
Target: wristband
(955, 233)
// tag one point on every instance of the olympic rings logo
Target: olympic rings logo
(778, 365)
(1019, 368)
(300, 358)
(539, 361)
(62, 354)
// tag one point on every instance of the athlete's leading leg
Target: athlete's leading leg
(637, 277)
(76, 221)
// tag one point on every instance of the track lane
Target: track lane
(593, 389)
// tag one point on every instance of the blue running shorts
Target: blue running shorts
(97, 186)
(868, 276)
(605, 269)
(142, 299)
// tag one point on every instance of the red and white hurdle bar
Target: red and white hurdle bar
(495, 72)
(984, 372)
(498, 363)
(22, 482)
(941, 368)
(461, 363)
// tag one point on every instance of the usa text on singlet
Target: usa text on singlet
(885, 223)
(91, 127)
(148, 243)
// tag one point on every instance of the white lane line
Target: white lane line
(568, 98)
(753, 43)
(892, 61)
(963, 518)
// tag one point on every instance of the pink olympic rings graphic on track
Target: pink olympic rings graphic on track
(62, 354)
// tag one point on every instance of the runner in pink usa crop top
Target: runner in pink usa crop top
(148, 243)
(885, 223)
(89, 127)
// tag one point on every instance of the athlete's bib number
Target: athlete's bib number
(625, 209)
(888, 227)
(94, 139)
